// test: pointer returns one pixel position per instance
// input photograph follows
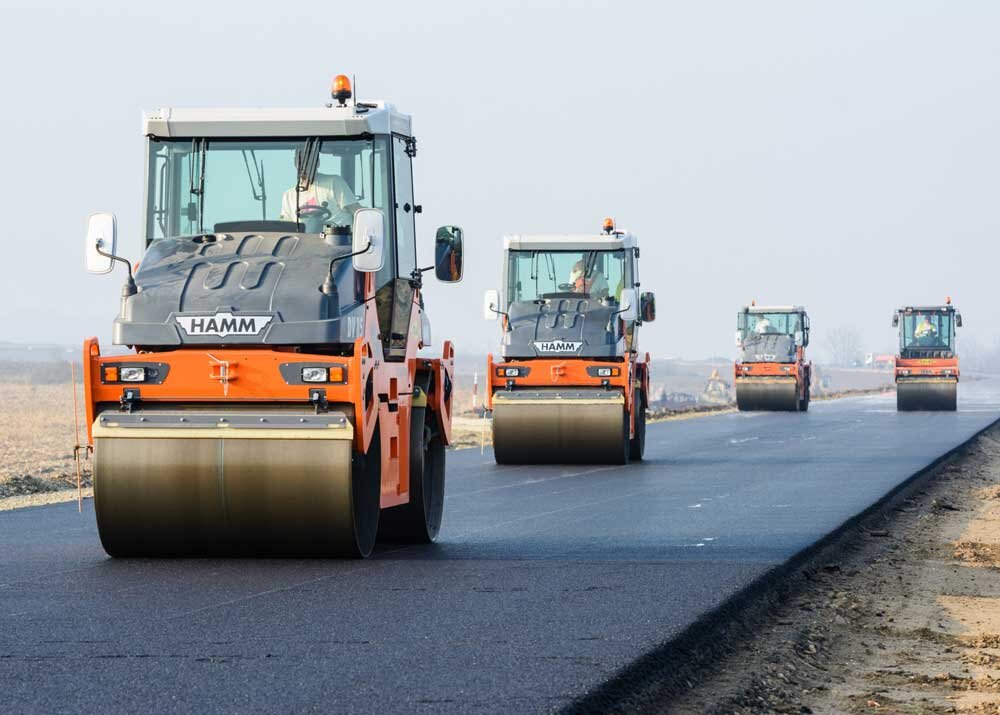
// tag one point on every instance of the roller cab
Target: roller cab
(926, 368)
(570, 384)
(268, 392)
(771, 372)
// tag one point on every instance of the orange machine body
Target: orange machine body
(926, 367)
(370, 389)
(800, 370)
(628, 375)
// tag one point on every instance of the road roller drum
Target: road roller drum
(927, 395)
(183, 483)
(560, 427)
(775, 394)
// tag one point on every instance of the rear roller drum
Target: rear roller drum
(419, 520)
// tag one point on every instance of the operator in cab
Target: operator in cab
(763, 326)
(925, 329)
(593, 284)
(328, 191)
(328, 199)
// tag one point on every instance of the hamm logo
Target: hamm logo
(557, 346)
(223, 324)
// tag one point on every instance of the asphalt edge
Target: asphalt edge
(674, 665)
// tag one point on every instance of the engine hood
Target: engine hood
(562, 327)
(768, 348)
(237, 289)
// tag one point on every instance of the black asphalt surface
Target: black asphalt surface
(546, 580)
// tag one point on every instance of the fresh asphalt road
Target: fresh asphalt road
(546, 580)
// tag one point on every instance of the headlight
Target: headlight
(604, 372)
(315, 374)
(132, 374)
(511, 372)
(786, 368)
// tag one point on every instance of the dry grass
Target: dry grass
(36, 439)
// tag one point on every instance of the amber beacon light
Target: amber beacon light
(341, 90)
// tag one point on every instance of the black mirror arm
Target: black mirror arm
(329, 287)
(129, 288)
(500, 312)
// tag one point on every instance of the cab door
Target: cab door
(406, 249)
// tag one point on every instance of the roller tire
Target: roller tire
(638, 446)
(626, 452)
(419, 520)
(366, 493)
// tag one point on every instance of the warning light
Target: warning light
(947, 300)
(753, 302)
(609, 225)
(341, 90)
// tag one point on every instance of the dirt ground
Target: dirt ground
(36, 445)
(907, 620)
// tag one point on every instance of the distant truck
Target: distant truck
(772, 372)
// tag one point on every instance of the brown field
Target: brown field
(36, 439)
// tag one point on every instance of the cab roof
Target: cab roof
(570, 241)
(935, 308)
(354, 119)
(773, 309)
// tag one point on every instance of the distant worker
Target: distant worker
(925, 329)
(763, 326)
(593, 284)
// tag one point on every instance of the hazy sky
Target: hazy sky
(842, 155)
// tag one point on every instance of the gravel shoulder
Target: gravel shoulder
(902, 618)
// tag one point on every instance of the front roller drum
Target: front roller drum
(767, 394)
(933, 394)
(273, 492)
(560, 430)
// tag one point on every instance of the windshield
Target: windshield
(537, 275)
(773, 323)
(219, 185)
(927, 329)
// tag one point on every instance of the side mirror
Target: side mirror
(895, 320)
(102, 238)
(739, 338)
(448, 254)
(491, 305)
(958, 320)
(628, 307)
(368, 241)
(647, 307)
(805, 338)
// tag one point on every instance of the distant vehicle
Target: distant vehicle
(927, 366)
(771, 372)
(571, 385)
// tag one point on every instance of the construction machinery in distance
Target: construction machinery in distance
(275, 401)
(772, 372)
(571, 384)
(927, 366)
